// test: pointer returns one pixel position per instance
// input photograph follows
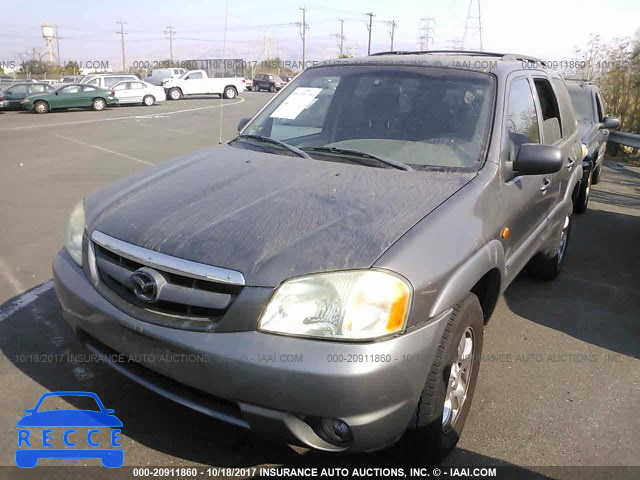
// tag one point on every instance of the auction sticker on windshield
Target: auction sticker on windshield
(296, 102)
(50, 430)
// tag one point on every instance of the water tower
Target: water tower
(48, 33)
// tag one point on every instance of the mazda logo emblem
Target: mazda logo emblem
(146, 284)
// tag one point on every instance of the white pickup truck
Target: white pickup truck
(197, 82)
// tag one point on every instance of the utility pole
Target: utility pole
(392, 29)
(370, 15)
(122, 33)
(304, 27)
(341, 38)
(57, 45)
(171, 32)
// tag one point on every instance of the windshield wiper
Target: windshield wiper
(359, 154)
(273, 141)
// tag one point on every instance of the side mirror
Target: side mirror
(537, 159)
(610, 123)
(242, 123)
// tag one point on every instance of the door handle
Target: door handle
(545, 185)
(570, 163)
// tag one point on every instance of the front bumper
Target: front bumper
(275, 385)
(4, 104)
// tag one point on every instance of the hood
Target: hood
(269, 216)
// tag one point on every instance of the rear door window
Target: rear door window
(551, 122)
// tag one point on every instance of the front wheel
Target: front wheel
(272, 89)
(230, 93)
(446, 397)
(41, 107)
(98, 104)
(596, 175)
(547, 266)
(148, 100)
(175, 94)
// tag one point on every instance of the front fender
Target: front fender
(489, 257)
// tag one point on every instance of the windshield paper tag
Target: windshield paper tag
(295, 103)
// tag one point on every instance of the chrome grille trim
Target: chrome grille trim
(171, 264)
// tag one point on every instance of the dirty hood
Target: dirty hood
(268, 216)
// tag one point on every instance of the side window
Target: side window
(195, 76)
(111, 81)
(522, 120)
(551, 125)
(600, 107)
(136, 85)
(38, 88)
(567, 109)
(71, 89)
(120, 86)
(19, 89)
(95, 81)
(88, 89)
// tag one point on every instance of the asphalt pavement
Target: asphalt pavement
(559, 383)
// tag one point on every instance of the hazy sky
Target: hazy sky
(545, 28)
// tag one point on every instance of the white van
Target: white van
(159, 74)
(108, 80)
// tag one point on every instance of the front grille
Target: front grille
(189, 295)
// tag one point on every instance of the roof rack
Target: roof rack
(504, 56)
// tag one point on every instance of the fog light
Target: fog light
(334, 431)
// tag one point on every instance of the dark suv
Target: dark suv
(266, 81)
(594, 130)
(325, 277)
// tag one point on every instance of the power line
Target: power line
(122, 33)
(369, 25)
(172, 33)
(470, 20)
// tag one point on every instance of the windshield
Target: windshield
(582, 104)
(422, 117)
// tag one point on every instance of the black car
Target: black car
(19, 91)
(594, 127)
(266, 81)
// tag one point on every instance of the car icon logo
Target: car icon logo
(64, 427)
(146, 284)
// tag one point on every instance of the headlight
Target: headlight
(75, 230)
(353, 305)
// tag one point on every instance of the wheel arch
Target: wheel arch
(482, 274)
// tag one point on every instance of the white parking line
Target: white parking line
(22, 301)
(98, 147)
(5, 269)
(63, 124)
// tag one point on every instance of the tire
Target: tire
(272, 89)
(582, 201)
(41, 107)
(148, 100)
(437, 427)
(548, 267)
(230, 92)
(175, 94)
(596, 175)
(256, 88)
(98, 104)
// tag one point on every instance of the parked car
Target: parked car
(107, 80)
(75, 95)
(248, 84)
(19, 91)
(336, 262)
(139, 92)
(265, 81)
(158, 75)
(3, 101)
(197, 82)
(594, 127)
(71, 79)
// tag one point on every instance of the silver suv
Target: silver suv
(325, 278)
